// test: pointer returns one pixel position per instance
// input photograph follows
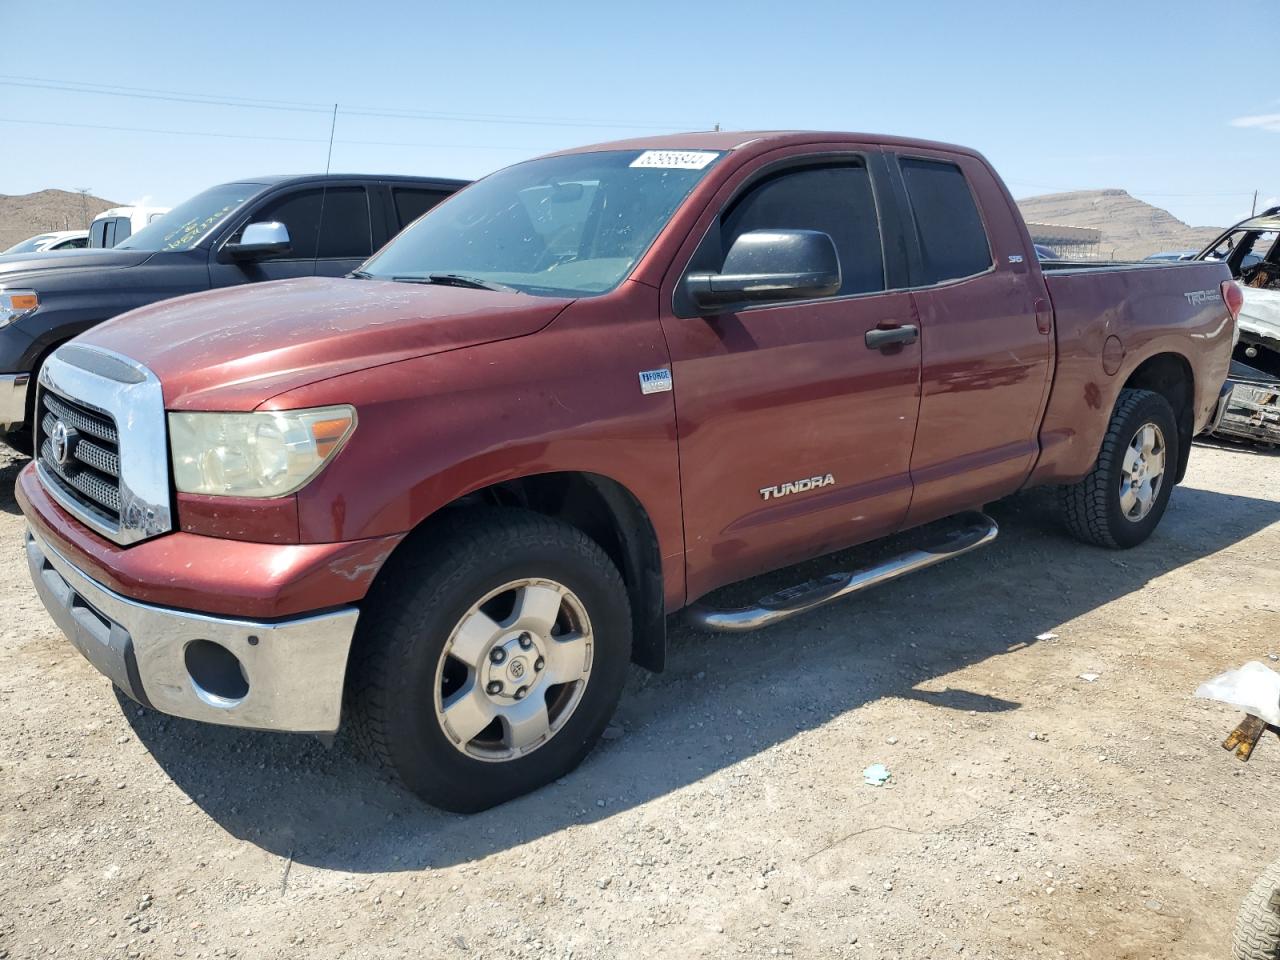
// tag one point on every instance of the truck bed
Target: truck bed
(1108, 318)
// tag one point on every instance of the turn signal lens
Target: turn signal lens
(15, 304)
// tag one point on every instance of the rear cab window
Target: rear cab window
(953, 239)
(411, 203)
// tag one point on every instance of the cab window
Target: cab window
(835, 199)
(953, 240)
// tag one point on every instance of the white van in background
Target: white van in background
(111, 226)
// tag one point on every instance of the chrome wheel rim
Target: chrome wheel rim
(1142, 472)
(513, 670)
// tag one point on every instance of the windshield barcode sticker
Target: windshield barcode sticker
(674, 159)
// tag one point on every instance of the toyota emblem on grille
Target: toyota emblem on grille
(60, 439)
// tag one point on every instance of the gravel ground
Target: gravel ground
(1030, 813)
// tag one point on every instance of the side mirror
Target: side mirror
(768, 266)
(261, 240)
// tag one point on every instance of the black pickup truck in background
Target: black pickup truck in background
(263, 228)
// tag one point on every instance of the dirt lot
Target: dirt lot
(1030, 813)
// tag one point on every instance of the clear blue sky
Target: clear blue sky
(1077, 95)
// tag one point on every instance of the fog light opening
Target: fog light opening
(216, 673)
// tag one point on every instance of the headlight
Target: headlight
(16, 304)
(267, 454)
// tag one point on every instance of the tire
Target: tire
(20, 440)
(1096, 510)
(424, 661)
(1257, 933)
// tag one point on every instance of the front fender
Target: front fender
(567, 399)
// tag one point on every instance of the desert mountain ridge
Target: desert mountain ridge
(1131, 229)
(25, 215)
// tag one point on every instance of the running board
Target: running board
(972, 530)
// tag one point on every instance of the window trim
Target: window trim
(683, 308)
(915, 253)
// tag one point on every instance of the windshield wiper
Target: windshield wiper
(360, 275)
(475, 283)
(457, 280)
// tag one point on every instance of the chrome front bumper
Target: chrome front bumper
(13, 399)
(293, 669)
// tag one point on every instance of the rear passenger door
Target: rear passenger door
(986, 341)
(329, 229)
(779, 394)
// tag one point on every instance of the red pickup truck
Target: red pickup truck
(455, 493)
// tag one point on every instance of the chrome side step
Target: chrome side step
(973, 530)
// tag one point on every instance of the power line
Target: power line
(250, 136)
(297, 106)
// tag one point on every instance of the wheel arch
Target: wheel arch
(604, 510)
(1170, 375)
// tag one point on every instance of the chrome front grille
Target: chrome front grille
(89, 469)
(102, 443)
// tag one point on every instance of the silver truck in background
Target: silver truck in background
(1250, 407)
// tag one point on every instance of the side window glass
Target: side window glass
(124, 227)
(344, 232)
(300, 212)
(953, 241)
(836, 200)
(411, 204)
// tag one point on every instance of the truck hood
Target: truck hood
(234, 349)
(18, 266)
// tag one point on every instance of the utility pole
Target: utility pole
(1254, 209)
(84, 204)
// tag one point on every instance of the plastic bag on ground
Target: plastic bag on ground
(1254, 688)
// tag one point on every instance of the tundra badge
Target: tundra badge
(655, 381)
(796, 486)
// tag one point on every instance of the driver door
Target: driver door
(795, 435)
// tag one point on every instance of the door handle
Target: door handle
(882, 337)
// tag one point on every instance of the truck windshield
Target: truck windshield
(188, 223)
(559, 226)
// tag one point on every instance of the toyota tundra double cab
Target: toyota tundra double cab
(447, 499)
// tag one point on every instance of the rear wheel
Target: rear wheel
(1257, 933)
(1121, 501)
(491, 659)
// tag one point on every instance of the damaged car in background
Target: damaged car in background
(1251, 249)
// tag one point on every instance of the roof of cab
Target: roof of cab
(739, 139)
(1265, 222)
(275, 179)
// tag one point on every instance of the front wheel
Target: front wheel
(1121, 501)
(491, 658)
